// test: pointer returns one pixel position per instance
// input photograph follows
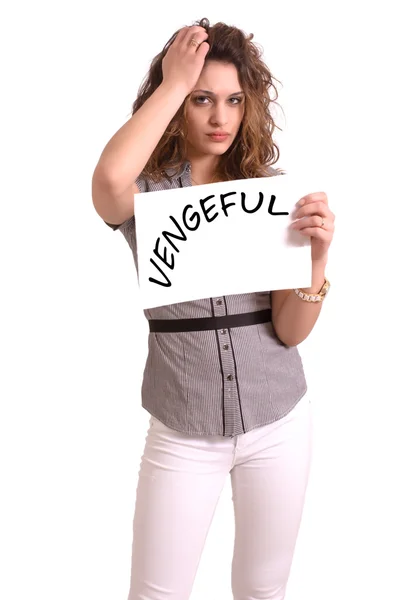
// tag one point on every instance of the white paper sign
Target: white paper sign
(221, 238)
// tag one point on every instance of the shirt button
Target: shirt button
(225, 346)
(219, 302)
(223, 331)
(229, 377)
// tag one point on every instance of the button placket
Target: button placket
(231, 394)
(219, 307)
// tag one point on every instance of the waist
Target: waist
(209, 323)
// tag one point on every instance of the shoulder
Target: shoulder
(273, 171)
(148, 184)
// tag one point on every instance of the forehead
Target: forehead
(219, 78)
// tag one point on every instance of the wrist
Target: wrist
(318, 277)
(320, 262)
(179, 90)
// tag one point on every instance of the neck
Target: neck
(203, 166)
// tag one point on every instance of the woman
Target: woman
(223, 381)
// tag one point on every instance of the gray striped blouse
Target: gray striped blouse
(215, 382)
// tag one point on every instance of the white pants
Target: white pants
(180, 481)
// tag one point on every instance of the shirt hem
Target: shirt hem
(173, 427)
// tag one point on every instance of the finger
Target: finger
(203, 49)
(180, 36)
(196, 32)
(313, 221)
(314, 197)
(196, 42)
(313, 208)
(318, 233)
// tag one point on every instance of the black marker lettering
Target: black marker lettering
(164, 258)
(194, 215)
(271, 206)
(168, 234)
(192, 223)
(202, 203)
(168, 284)
(258, 205)
(225, 206)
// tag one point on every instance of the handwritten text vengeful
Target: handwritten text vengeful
(192, 222)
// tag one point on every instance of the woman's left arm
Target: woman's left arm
(293, 318)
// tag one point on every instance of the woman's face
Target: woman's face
(216, 105)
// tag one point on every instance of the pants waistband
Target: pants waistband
(207, 323)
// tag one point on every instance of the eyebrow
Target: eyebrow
(212, 93)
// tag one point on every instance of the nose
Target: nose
(219, 115)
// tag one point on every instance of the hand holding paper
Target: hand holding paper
(317, 221)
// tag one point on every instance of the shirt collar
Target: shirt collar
(185, 168)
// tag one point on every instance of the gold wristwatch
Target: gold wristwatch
(319, 297)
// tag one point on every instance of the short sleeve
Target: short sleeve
(143, 187)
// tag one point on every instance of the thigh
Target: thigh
(269, 484)
(180, 481)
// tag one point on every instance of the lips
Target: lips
(218, 137)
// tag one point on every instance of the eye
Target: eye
(198, 98)
(205, 100)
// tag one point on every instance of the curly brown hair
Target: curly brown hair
(253, 149)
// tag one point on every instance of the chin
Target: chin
(217, 149)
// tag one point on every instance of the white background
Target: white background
(74, 340)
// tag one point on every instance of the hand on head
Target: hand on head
(185, 58)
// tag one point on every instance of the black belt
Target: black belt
(204, 323)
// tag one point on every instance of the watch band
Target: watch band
(319, 297)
